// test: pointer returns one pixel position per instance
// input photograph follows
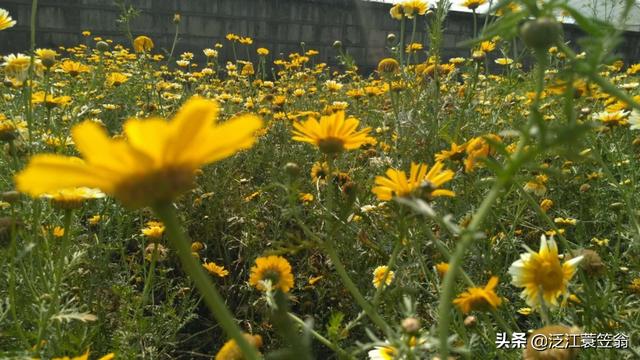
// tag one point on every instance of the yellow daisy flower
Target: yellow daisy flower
(215, 269)
(231, 351)
(58, 231)
(73, 68)
(85, 356)
(382, 274)
(487, 46)
(47, 56)
(456, 153)
(503, 61)
(5, 20)
(143, 44)
(383, 353)
(413, 7)
(273, 269)
(615, 118)
(319, 171)
(420, 182)
(50, 100)
(473, 4)
(333, 133)
(154, 230)
(16, 66)
(73, 198)
(542, 275)
(442, 268)
(476, 149)
(156, 162)
(479, 299)
(396, 12)
(116, 79)
(388, 66)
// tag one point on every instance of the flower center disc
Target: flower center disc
(331, 145)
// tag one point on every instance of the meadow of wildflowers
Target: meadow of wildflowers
(154, 206)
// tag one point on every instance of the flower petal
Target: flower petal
(51, 173)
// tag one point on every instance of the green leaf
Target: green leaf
(335, 325)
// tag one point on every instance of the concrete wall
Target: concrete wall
(279, 25)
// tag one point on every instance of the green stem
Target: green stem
(233, 47)
(517, 159)
(413, 34)
(191, 266)
(341, 352)
(443, 250)
(148, 282)
(418, 256)
(32, 60)
(392, 259)
(175, 41)
(353, 289)
(330, 248)
(58, 272)
(390, 265)
(544, 310)
(64, 244)
(623, 191)
(475, 24)
(546, 218)
(448, 286)
(13, 252)
(401, 44)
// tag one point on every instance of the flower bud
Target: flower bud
(391, 38)
(102, 46)
(10, 196)
(388, 66)
(411, 325)
(561, 351)
(591, 262)
(478, 55)
(541, 33)
(7, 226)
(292, 169)
(616, 206)
(470, 321)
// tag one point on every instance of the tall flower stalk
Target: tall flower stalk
(178, 241)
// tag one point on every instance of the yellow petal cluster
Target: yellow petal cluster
(542, 275)
(428, 181)
(333, 133)
(155, 163)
